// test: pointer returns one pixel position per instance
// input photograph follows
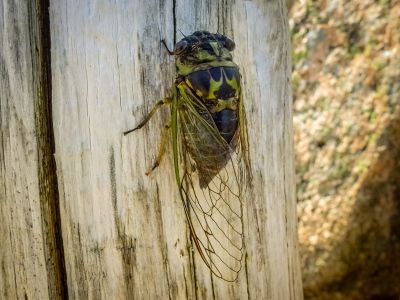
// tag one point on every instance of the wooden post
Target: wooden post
(124, 234)
(31, 251)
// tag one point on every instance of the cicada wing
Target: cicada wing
(242, 151)
(211, 186)
(202, 139)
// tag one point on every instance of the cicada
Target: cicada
(210, 148)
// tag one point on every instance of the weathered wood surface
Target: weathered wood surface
(124, 234)
(31, 255)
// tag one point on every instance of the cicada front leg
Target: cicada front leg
(164, 135)
(166, 101)
(164, 138)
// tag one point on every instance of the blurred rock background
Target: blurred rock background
(346, 90)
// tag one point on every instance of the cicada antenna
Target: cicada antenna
(181, 33)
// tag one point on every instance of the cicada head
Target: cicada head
(203, 50)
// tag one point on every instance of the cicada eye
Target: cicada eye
(230, 44)
(180, 47)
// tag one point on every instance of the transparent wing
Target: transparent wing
(214, 178)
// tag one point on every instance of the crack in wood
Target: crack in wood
(39, 19)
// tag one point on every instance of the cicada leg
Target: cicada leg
(166, 101)
(166, 47)
(164, 138)
(164, 134)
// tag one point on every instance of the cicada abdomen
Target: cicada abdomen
(219, 90)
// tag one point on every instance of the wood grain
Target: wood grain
(31, 252)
